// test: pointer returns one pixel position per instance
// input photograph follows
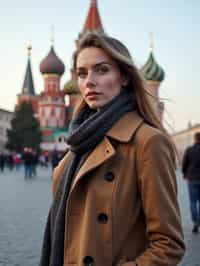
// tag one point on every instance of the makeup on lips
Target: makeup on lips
(92, 95)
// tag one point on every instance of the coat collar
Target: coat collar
(125, 128)
(103, 151)
(122, 131)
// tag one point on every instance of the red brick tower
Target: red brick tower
(51, 109)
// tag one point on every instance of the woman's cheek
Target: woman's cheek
(106, 85)
(81, 88)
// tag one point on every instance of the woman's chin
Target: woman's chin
(97, 104)
(94, 105)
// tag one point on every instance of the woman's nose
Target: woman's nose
(90, 80)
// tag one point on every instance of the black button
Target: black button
(109, 176)
(88, 260)
(102, 218)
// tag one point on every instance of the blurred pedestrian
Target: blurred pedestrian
(191, 173)
(10, 161)
(17, 160)
(46, 157)
(28, 162)
(2, 161)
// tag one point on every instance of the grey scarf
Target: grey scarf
(87, 130)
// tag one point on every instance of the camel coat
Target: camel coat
(122, 208)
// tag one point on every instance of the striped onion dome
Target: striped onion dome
(152, 71)
(51, 64)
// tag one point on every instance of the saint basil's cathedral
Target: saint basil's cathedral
(49, 106)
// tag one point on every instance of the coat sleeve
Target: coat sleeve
(158, 189)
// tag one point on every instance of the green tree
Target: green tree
(25, 129)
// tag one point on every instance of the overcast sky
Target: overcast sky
(175, 26)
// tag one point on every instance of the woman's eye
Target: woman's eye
(82, 74)
(102, 70)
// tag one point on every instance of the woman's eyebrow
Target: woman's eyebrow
(102, 63)
(95, 65)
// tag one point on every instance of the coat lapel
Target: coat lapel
(98, 156)
(59, 170)
(126, 127)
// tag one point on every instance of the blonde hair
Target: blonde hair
(120, 54)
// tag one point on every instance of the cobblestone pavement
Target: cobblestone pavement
(23, 209)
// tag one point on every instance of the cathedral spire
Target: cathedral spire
(28, 86)
(93, 20)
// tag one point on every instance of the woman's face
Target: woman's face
(99, 77)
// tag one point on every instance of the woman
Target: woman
(115, 195)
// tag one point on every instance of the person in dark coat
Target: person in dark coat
(28, 162)
(10, 161)
(191, 172)
(2, 161)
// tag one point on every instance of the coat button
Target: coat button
(102, 218)
(109, 176)
(88, 261)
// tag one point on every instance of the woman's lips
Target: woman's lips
(92, 95)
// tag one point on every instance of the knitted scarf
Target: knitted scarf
(87, 130)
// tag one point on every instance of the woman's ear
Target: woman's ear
(125, 81)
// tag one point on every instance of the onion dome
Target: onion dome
(152, 71)
(71, 87)
(51, 64)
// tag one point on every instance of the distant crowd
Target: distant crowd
(29, 159)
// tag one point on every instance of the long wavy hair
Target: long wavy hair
(120, 54)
